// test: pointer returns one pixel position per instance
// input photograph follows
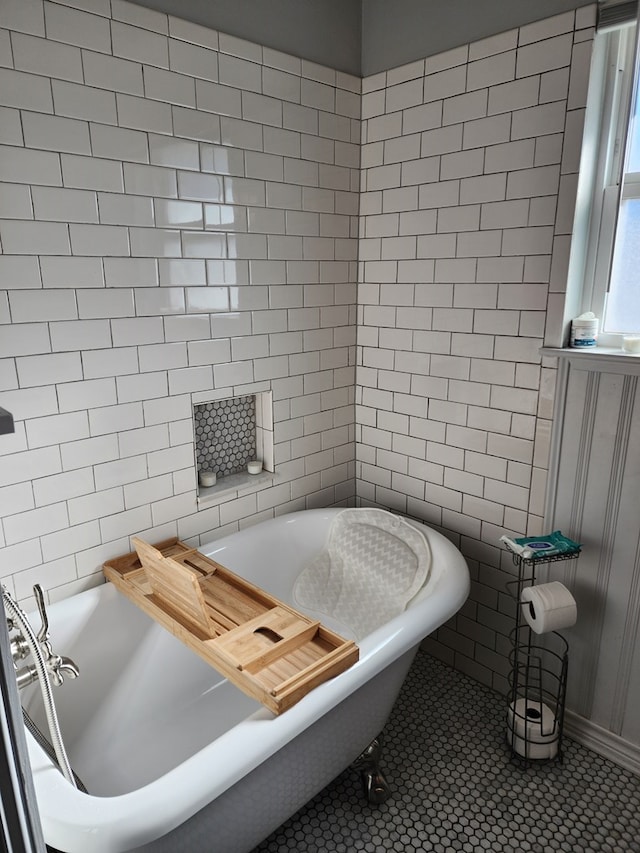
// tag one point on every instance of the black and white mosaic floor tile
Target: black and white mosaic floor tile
(456, 789)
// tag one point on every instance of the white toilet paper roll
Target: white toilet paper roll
(548, 607)
(532, 731)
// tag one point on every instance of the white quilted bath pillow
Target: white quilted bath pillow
(374, 564)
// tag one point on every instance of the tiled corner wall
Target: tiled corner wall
(469, 167)
(178, 223)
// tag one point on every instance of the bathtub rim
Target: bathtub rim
(128, 820)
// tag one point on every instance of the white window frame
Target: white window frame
(601, 173)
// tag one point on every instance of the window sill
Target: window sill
(603, 359)
(232, 486)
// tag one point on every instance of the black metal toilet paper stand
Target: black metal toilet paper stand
(537, 677)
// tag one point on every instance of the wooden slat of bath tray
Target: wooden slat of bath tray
(130, 563)
(292, 690)
(292, 677)
(266, 638)
(178, 591)
(234, 601)
(269, 650)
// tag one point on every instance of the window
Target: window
(622, 306)
(609, 190)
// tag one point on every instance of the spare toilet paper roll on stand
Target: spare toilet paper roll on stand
(532, 729)
(548, 607)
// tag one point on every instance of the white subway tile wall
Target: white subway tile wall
(468, 183)
(178, 223)
(186, 216)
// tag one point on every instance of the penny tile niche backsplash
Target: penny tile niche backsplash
(225, 435)
(188, 218)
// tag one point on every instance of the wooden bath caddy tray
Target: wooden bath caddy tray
(266, 648)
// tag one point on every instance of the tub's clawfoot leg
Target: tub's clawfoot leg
(376, 789)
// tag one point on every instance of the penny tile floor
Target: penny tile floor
(456, 789)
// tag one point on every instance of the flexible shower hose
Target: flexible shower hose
(16, 613)
(39, 737)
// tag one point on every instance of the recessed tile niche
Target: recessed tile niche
(230, 433)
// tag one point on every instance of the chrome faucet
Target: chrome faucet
(58, 666)
(47, 667)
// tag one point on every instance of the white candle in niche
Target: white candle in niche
(207, 478)
(254, 467)
(631, 343)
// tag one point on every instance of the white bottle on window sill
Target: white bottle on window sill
(584, 331)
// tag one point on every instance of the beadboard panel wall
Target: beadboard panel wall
(594, 492)
(469, 167)
(178, 223)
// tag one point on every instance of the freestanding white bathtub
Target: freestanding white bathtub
(177, 758)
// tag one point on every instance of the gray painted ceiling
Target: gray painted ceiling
(324, 31)
(363, 37)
